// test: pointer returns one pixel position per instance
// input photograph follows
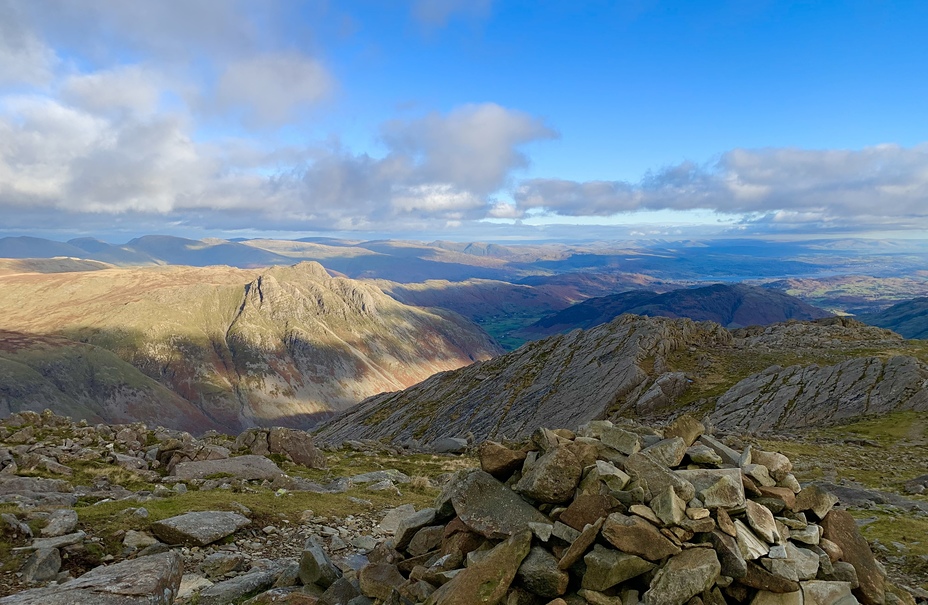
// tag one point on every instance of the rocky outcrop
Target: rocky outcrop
(802, 396)
(564, 380)
(648, 368)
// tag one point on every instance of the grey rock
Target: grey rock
(62, 521)
(198, 528)
(490, 508)
(449, 445)
(684, 576)
(410, 525)
(606, 568)
(315, 565)
(553, 478)
(247, 467)
(669, 452)
(657, 477)
(152, 580)
(539, 573)
(391, 521)
(237, 589)
(42, 565)
(716, 488)
(805, 396)
(56, 542)
(385, 475)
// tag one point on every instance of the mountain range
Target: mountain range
(216, 347)
(732, 306)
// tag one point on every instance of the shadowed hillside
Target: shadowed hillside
(908, 318)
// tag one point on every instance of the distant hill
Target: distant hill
(732, 306)
(234, 347)
(909, 318)
(782, 377)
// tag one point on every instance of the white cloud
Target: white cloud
(272, 87)
(24, 58)
(474, 147)
(883, 184)
(131, 88)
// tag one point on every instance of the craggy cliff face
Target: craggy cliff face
(218, 347)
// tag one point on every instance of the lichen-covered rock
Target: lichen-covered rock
(198, 528)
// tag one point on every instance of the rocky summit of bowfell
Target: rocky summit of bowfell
(215, 347)
(783, 377)
(731, 305)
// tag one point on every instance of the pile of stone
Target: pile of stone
(617, 516)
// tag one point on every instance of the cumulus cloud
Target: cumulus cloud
(438, 169)
(127, 88)
(474, 146)
(270, 88)
(879, 184)
(24, 58)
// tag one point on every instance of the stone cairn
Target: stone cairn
(619, 516)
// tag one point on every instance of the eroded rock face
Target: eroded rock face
(802, 396)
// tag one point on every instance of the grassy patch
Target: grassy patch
(888, 528)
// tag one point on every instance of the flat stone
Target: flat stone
(761, 579)
(587, 508)
(636, 536)
(765, 597)
(138, 539)
(799, 564)
(412, 524)
(487, 581)
(669, 507)
(378, 581)
(784, 494)
(728, 455)
(687, 428)
(606, 567)
(391, 521)
(290, 595)
(684, 576)
(539, 573)
(248, 468)
(818, 592)
(425, 540)
(198, 528)
(449, 445)
(644, 511)
(751, 547)
(151, 580)
(580, 545)
(716, 488)
(729, 554)
(62, 521)
(239, 588)
(553, 478)
(669, 452)
(811, 534)
(621, 440)
(500, 461)
(703, 454)
(56, 542)
(761, 520)
(725, 523)
(840, 527)
(603, 473)
(815, 499)
(390, 474)
(490, 508)
(658, 476)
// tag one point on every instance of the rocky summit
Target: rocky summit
(607, 514)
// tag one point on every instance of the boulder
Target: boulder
(490, 508)
(553, 477)
(684, 576)
(247, 468)
(62, 521)
(198, 528)
(606, 567)
(295, 445)
(840, 527)
(485, 582)
(151, 580)
(540, 575)
(315, 565)
(636, 536)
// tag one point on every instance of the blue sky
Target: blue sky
(463, 119)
